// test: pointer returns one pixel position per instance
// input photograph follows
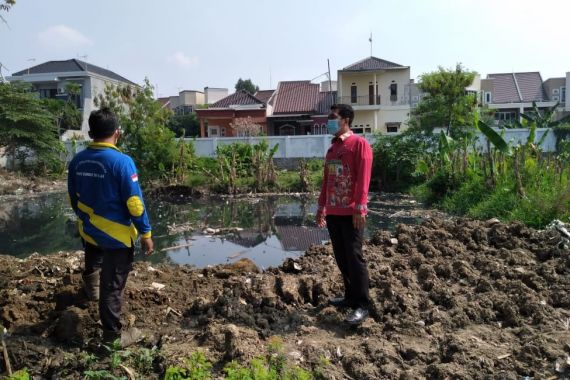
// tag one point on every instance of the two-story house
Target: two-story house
(379, 92)
(511, 94)
(50, 78)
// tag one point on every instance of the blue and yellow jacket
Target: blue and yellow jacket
(105, 194)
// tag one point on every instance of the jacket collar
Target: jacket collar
(102, 145)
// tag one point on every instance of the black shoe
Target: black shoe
(357, 316)
(339, 302)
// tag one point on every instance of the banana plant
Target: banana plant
(546, 119)
(496, 139)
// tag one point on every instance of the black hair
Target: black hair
(102, 123)
(345, 112)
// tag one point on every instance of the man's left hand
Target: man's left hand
(358, 221)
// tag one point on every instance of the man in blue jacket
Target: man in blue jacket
(104, 191)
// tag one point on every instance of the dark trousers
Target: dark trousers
(347, 247)
(115, 265)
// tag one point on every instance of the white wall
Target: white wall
(212, 95)
(384, 79)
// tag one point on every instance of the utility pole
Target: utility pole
(330, 81)
(370, 40)
(30, 60)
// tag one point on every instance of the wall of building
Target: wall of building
(567, 89)
(191, 98)
(383, 78)
(212, 95)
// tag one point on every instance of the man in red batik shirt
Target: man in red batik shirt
(343, 208)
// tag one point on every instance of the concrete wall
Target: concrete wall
(212, 95)
(312, 146)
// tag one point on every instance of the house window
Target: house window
(393, 92)
(223, 132)
(286, 130)
(487, 97)
(353, 98)
(48, 93)
(505, 116)
(392, 127)
(563, 94)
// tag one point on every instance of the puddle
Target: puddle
(266, 230)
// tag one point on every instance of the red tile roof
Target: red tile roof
(296, 97)
(517, 87)
(372, 63)
(264, 95)
(240, 97)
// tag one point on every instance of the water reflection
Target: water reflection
(266, 230)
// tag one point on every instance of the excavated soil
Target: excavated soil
(452, 299)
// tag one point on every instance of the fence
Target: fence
(317, 145)
(311, 146)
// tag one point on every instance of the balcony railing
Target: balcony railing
(369, 101)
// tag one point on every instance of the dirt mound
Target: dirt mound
(455, 299)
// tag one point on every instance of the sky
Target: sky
(188, 45)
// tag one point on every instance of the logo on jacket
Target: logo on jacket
(135, 177)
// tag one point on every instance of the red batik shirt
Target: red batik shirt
(348, 166)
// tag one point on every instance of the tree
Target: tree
(66, 114)
(27, 127)
(245, 126)
(246, 85)
(5, 5)
(146, 137)
(447, 103)
(184, 125)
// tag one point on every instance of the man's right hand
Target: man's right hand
(320, 220)
(147, 245)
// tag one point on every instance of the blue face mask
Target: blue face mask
(332, 126)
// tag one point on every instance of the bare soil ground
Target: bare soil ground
(452, 299)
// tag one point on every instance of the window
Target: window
(393, 92)
(487, 97)
(353, 97)
(563, 94)
(286, 130)
(223, 133)
(48, 93)
(392, 127)
(505, 116)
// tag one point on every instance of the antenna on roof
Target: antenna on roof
(30, 60)
(2, 79)
(370, 40)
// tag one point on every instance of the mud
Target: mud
(451, 299)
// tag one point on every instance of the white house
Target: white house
(50, 79)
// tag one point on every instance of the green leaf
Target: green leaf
(495, 139)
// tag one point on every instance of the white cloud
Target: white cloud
(182, 60)
(62, 37)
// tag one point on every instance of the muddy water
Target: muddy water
(269, 229)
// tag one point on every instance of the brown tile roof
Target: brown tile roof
(326, 100)
(240, 97)
(296, 97)
(517, 87)
(264, 95)
(372, 63)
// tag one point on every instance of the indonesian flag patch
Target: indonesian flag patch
(135, 177)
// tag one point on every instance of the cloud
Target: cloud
(62, 37)
(182, 60)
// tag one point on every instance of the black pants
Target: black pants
(115, 265)
(347, 247)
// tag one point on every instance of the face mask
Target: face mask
(332, 126)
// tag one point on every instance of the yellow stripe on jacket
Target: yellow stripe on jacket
(118, 231)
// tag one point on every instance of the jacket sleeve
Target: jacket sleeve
(363, 173)
(323, 196)
(71, 187)
(131, 195)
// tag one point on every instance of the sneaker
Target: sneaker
(339, 302)
(357, 316)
